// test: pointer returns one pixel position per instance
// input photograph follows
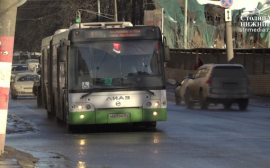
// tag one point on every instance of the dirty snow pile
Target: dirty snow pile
(18, 125)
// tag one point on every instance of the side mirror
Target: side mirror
(190, 76)
(62, 53)
(167, 57)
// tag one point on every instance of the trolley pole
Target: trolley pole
(8, 11)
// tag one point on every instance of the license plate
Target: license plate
(114, 116)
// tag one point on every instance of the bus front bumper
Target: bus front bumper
(125, 115)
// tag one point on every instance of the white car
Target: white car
(23, 84)
(18, 68)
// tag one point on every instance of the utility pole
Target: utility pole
(229, 43)
(8, 12)
(185, 28)
(133, 12)
(115, 11)
(98, 10)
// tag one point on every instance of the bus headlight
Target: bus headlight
(80, 107)
(156, 104)
(81, 116)
(155, 113)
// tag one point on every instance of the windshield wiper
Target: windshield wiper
(92, 91)
(149, 91)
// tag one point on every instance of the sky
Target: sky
(237, 4)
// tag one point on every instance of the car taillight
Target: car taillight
(209, 80)
(158, 46)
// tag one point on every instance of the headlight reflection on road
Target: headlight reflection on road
(81, 165)
(82, 142)
(155, 140)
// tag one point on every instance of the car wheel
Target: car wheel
(13, 96)
(177, 99)
(227, 106)
(188, 103)
(243, 104)
(203, 102)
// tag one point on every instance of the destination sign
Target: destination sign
(118, 33)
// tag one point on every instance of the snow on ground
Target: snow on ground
(18, 125)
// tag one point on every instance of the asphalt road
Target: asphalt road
(188, 139)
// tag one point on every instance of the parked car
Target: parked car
(23, 84)
(218, 83)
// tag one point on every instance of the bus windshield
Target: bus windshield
(111, 63)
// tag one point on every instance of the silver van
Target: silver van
(218, 83)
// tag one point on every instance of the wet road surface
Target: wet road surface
(189, 139)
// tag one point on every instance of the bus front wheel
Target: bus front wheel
(151, 125)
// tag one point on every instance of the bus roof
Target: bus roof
(46, 41)
(100, 25)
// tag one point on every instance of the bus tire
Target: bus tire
(63, 120)
(64, 111)
(51, 114)
(151, 125)
(39, 99)
(71, 128)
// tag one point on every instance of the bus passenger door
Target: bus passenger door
(62, 73)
